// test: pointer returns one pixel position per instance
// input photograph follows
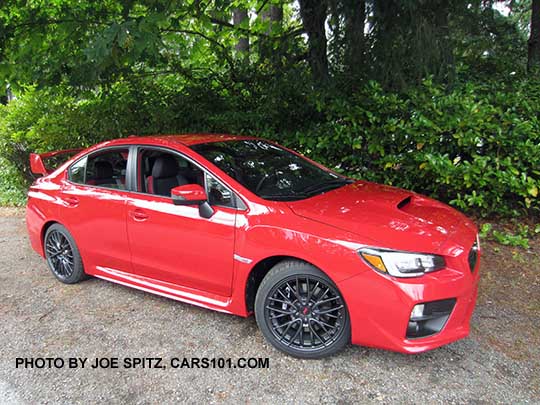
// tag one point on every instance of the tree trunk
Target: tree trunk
(445, 44)
(355, 17)
(9, 93)
(240, 15)
(533, 62)
(274, 15)
(313, 13)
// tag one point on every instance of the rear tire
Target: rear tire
(301, 312)
(62, 254)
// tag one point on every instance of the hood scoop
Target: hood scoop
(403, 203)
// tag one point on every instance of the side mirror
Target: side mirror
(188, 194)
(192, 194)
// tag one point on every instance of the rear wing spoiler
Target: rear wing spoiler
(37, 164)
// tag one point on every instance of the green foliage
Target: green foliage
(398, 42)
(518, 238)
(12, 185)
(91, 43)
(485, 229)
(476, 147)
(429, 96)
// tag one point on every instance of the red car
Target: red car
(242, 225)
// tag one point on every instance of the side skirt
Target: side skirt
(168, 290)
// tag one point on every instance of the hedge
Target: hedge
(476, 146)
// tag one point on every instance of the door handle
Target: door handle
(71, 201)
(138, 215)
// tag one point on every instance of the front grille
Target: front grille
(440, 307)
(473, 256)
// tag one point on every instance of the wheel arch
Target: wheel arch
(259, 271)
(44, 229)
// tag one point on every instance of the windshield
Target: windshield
(269, 171)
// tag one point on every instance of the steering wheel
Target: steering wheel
(276, 172)
(263, 180)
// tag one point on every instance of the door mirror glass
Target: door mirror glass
(188, 194)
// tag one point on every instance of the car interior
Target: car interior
(108, 170)
(158, 173)
(161, 172)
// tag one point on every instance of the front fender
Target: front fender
(331, 250)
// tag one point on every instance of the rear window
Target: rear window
(103, 169)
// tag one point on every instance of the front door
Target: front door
(171, 243)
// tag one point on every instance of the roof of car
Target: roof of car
(189, 139)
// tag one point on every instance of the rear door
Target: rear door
(93, 200)
(173, 243)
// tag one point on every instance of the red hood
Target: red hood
(395, 218)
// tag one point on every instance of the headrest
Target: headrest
(165, 166)
(104, 169)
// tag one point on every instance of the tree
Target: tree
(411, 40)
(272, 13)
(240, 19)
(533, 61)
(313, 13)
(355, 17)
(271, 16)
(396, 42)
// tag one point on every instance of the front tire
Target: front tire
(62, 254)
(301, 312)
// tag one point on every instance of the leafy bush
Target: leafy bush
(12, 185)
(476, 146)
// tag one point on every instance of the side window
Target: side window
(218, 194)
(159, 172)
(106, 169)
(77, 171)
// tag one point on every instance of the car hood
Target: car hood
(393, 217)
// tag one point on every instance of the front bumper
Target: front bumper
(380, 306)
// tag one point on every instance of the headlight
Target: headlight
(401, 264)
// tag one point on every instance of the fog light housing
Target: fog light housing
(429, 318)
(418, 311)
(473, 256)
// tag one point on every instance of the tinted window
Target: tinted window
(160, 171)
(268, 170)
(77, 171)
(218, 194)
(105, 169)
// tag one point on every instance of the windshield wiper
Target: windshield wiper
(284, 197)
(309, 191)
(328, 185)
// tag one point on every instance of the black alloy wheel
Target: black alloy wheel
(63, 255)
(303, 313)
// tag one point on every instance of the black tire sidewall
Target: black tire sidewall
(277, 274)
(78, 271)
